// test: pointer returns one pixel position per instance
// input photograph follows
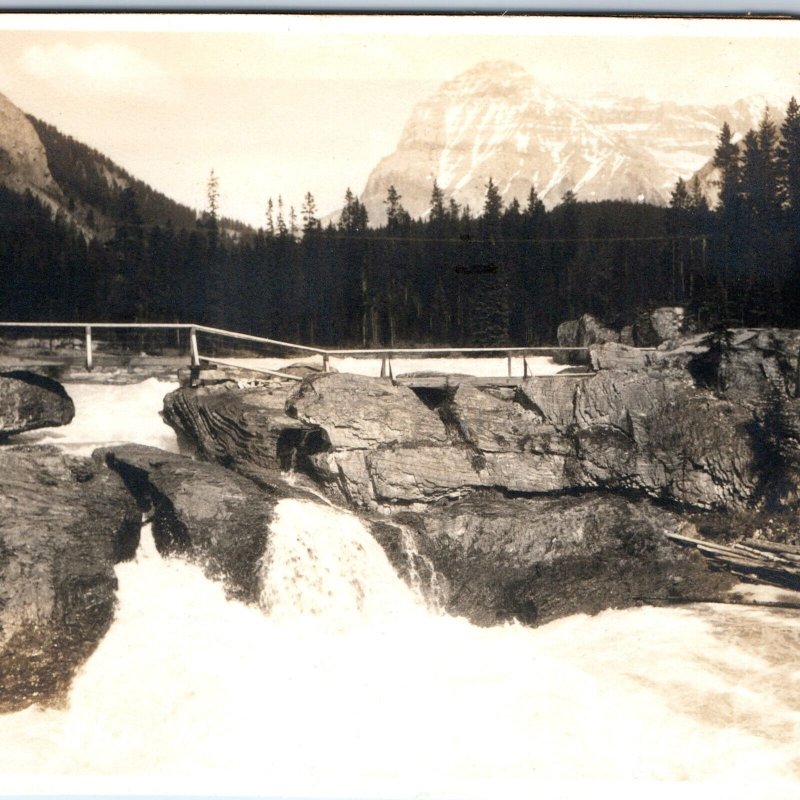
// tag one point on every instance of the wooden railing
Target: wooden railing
(196, 357)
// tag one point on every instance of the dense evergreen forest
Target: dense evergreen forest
(494, 275)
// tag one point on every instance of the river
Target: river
(344, 684)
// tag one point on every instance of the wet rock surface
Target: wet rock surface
(64, 523)
(201, 511)
(29, 401)
(536, 559)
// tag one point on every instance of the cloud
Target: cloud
(102, 68)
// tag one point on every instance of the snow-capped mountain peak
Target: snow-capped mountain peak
(496, 120)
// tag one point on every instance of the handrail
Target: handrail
(166, 325)
(418, 350)
(385, 353)
(250, 338)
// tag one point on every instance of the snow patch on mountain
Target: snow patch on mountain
(496, 120)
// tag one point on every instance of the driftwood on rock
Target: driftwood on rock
(64, 523)
(29, 401)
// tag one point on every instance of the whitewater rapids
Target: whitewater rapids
(343, 684)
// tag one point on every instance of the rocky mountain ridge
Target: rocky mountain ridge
(23, 159)
(73, 179)
(496, 120)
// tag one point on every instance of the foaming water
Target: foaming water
(343, 684)
(323, 567)
(111, 414)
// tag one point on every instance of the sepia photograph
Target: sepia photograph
(399, 406)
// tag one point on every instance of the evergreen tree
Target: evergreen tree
(395, 213)
(270, 220)
(453, 211)
(697, 199)
(212, 192)
(309, 215)
(437, 204)
(788, 157)
(680, 200)
(487, 293)
(492, 207)
(281, 223)
(354, 218)
(726, 160)
(535, 207)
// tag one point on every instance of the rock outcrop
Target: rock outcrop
(585, 331)
(29, 401)
(201, 511)
(536, 559)
(549, 498)
(665, 325)
(699, 425)
(64, 523)
(242, 426)
(23, 160)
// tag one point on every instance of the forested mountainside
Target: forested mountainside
(96, 189)
(506, 273)
(93, 185)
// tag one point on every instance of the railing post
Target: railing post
(193, 347)
(797, 377)
(326, 367)
(383, 365)
(509, 364)
(389, 360)
(88, 348)
(524, 366)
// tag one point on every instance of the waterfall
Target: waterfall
(321, 563)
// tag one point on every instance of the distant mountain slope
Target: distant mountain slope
(92, 184)
(495, 120)
(82, 184)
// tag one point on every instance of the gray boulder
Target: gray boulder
(201, 511)
(592, 331)
(567, 333)
(29, 401)
(244, 427)
(64, 523)
(493, 558)
(357, 412)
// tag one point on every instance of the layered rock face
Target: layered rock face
(648, 422)
(64, 523)
(246, 428)
(29, 401)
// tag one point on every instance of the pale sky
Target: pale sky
(287, 104)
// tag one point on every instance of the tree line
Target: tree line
(500, 274)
